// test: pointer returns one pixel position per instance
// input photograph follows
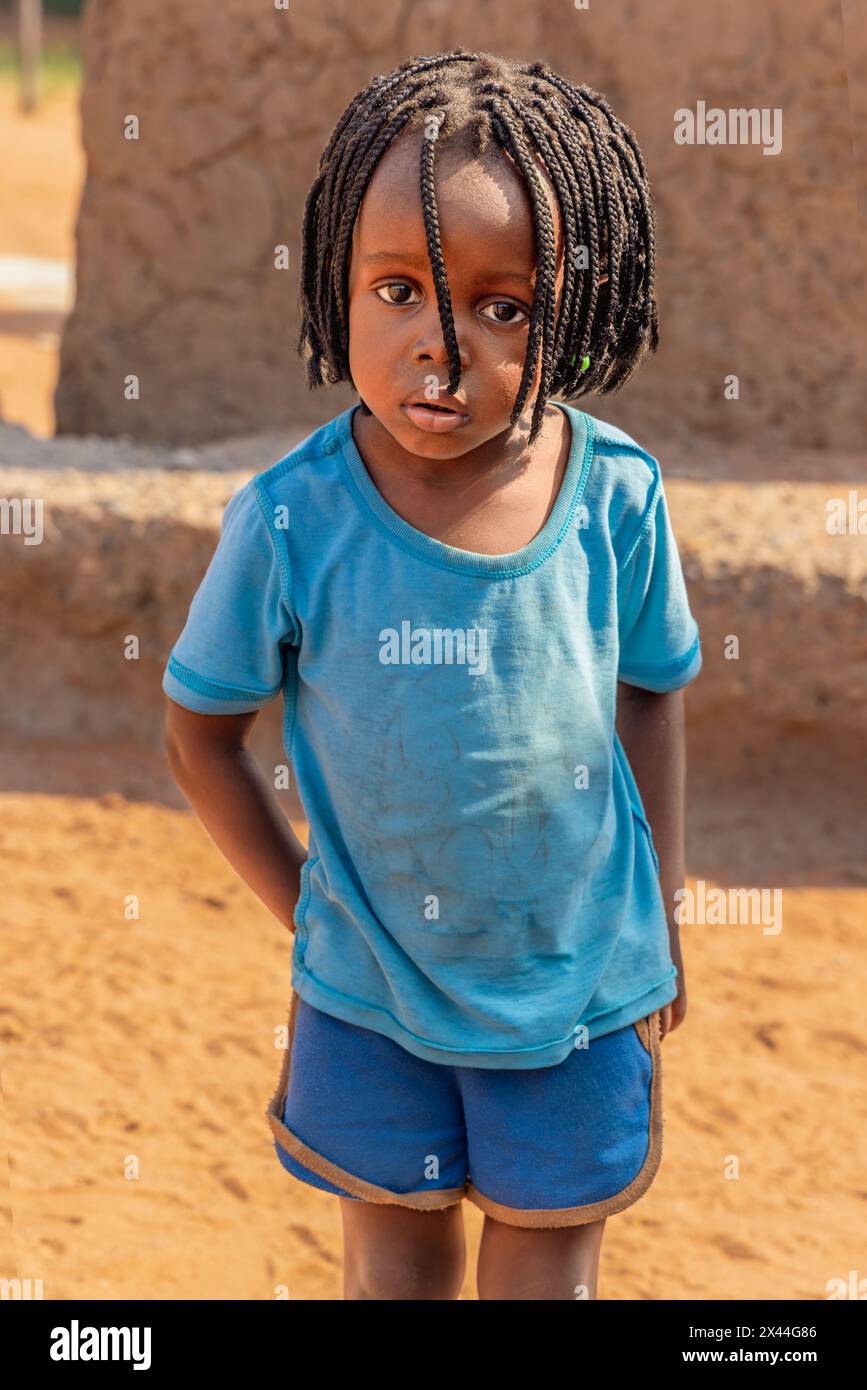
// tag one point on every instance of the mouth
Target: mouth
(435, 416)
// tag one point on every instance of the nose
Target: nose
(430, 347)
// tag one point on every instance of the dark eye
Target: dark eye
(505, 304)
(399, 285)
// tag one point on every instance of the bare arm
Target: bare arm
(232, 798)
(652, 731)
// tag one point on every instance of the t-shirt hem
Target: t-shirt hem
(673, 675)
(362, 1015)
(202, 696)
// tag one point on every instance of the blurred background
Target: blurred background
(152, 1035)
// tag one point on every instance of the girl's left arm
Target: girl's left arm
(652, 730)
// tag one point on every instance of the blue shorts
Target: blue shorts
(355, 1114)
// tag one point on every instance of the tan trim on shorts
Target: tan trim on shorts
(433, 1200)
(649, 1031)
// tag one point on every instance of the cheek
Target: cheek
(372, 333)
(504, 363)
(501, 388)
(362, 336)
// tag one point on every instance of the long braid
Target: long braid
(339, 280)
(642, 186)
(589, 331)
(432, 233)
(598, 333)
(612, 208)
(547, 143)
(542, 313)
(557, 163)
(640, 317)
(602, 189)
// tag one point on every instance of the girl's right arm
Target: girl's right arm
(232, 798)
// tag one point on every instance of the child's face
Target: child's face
(395, 336)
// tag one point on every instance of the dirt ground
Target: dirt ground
(152, 1039)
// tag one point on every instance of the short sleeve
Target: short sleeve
(659, 638)
(229, 657)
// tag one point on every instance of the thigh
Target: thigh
(569, 1144)
(363, 1118)
(559, 1263)
(391, 1252)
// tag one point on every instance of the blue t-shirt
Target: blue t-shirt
(480, 879)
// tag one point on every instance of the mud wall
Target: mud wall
(761, 258)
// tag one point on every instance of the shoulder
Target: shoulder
(624, 484)
(295, 479)
(268, 503)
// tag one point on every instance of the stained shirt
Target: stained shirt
(481, 883)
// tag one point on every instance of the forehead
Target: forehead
(483, 203)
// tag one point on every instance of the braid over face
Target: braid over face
(487, 103)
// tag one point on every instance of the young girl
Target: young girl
(470, 597)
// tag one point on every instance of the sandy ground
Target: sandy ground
(152, 1041)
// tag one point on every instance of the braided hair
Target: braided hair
(488, 103)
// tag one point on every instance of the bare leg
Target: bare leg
(522, 1263)
(395, 1253)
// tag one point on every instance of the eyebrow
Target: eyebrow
(422, 263)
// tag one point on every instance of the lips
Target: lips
(436, 416)
(443, 403)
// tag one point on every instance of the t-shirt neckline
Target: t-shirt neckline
(450, 557)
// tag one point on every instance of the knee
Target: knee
(407, 1277)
